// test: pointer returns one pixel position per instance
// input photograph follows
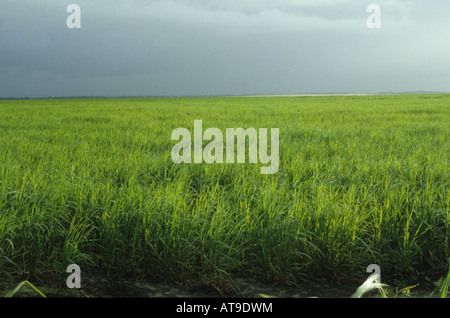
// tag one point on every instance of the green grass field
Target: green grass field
(362, 180)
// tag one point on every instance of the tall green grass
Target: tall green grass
(362, 180)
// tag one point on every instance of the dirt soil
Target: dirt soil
(135, 288)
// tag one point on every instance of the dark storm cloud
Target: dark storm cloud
(201, 47)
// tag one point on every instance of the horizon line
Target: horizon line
(229, 95)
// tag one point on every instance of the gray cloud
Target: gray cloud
(200, 47)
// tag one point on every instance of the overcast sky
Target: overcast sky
(221, 47)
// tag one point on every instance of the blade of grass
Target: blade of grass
(444, 289)
(19, 286)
